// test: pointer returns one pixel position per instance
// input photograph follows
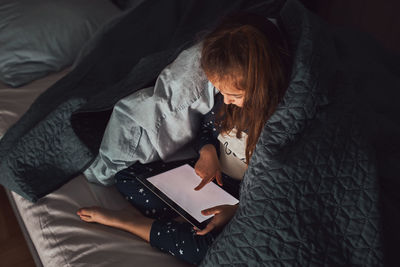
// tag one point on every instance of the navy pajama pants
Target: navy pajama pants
(177, 238)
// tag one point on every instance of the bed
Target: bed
(313, 194)
(55, 235)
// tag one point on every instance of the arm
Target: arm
(207, 166)
(207, 133)
(207, 144)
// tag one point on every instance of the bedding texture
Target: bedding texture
(321, 186)
(42, 36)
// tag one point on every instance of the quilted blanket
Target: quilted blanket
(60, 135)
(321, 188)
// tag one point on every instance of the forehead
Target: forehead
(226, 87)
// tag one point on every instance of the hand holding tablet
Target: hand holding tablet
(222, 215)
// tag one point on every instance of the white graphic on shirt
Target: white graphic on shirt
(233, 154)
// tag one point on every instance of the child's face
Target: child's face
(231, 94)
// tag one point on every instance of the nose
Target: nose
(228, 100)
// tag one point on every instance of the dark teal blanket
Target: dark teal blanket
(61, 133)
(322, 185)
(321, 188)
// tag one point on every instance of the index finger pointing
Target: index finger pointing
(202, 183)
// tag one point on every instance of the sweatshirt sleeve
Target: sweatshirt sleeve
(208, 132)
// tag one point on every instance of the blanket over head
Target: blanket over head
(322, 181)
(316, 191)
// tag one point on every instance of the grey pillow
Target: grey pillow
(42, 36)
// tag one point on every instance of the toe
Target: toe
(88, 211)
(86, 218)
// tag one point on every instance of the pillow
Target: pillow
(42, 36)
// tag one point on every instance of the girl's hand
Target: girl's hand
(207, 166)
(222, 215)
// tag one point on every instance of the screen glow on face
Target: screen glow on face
(231, 95)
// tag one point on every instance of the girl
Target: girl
(245, 58)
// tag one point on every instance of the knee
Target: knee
(124, 183)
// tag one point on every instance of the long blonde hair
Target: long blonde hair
(247, 51)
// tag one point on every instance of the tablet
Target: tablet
(176, 188)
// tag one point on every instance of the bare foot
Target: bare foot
(106, 216)
(130, 219)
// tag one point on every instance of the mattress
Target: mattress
(56, 235)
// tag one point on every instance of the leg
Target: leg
(180, 240)
(141, 197)
(177, 238)
(143, 201)
(130, 220)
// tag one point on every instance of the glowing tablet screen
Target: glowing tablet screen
(178, 184)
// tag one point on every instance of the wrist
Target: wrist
(208, 149)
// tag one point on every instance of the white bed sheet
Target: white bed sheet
(59, 237)
(62, 239)
(16, 101)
